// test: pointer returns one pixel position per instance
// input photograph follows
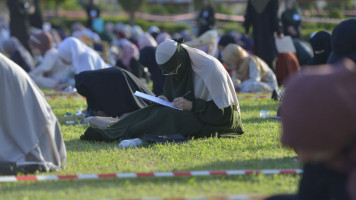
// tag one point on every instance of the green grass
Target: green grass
(257, 148)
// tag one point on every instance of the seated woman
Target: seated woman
(51, 70)
(128, 58)
(79, 56)
(249, 73)
(147, 59)
(198, 84)
(321, 44)
(18, 53)
(30, 135)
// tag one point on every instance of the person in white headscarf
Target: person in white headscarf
(81, 57)
(29, 131)
(198, 84)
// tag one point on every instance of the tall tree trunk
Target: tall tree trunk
(132, 17)
(57, 8)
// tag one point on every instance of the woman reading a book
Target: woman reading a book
(196, 83)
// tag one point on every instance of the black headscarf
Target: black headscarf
(226, 39)
(343, 43)
(179, 84)
(111, 90)
(147, 59)
(321, 41)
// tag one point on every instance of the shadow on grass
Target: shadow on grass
(78, 145)
(262, 106)
(259, 120)
(253, 164)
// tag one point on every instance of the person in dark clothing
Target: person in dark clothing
(262, 16)
(91, 10)
(206, 18)
(205, 108)
(147, 59)
(17, 53)
(317, 104)
(291, 19)
(223, 42)
(343, 43)
(321, 44)
(303, 51)
(109, 92)
(36, 17)
(19, 20)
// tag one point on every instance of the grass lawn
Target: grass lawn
(257, 148)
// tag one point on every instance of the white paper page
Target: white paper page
(285, 45)
(155, 99)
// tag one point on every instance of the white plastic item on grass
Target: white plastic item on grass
(133, 143)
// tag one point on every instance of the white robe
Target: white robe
(52, 64)
(81, 57)
(29, 131)
(211, 80)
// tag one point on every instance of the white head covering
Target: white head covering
(165, 51)
(82, 57)
(211, 80)
(136, 31)
(29, 131)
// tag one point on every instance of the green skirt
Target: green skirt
(159, 120)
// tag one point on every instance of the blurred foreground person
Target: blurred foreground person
(318, 117)
(30, 137)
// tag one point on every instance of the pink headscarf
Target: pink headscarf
(162, 37)
(145, 40)
(130, 51)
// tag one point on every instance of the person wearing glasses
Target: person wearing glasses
(196, 83)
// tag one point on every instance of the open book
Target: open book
(155, 100)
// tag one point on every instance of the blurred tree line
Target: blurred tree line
(335, 7)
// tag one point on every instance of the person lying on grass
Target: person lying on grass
(195, 82)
